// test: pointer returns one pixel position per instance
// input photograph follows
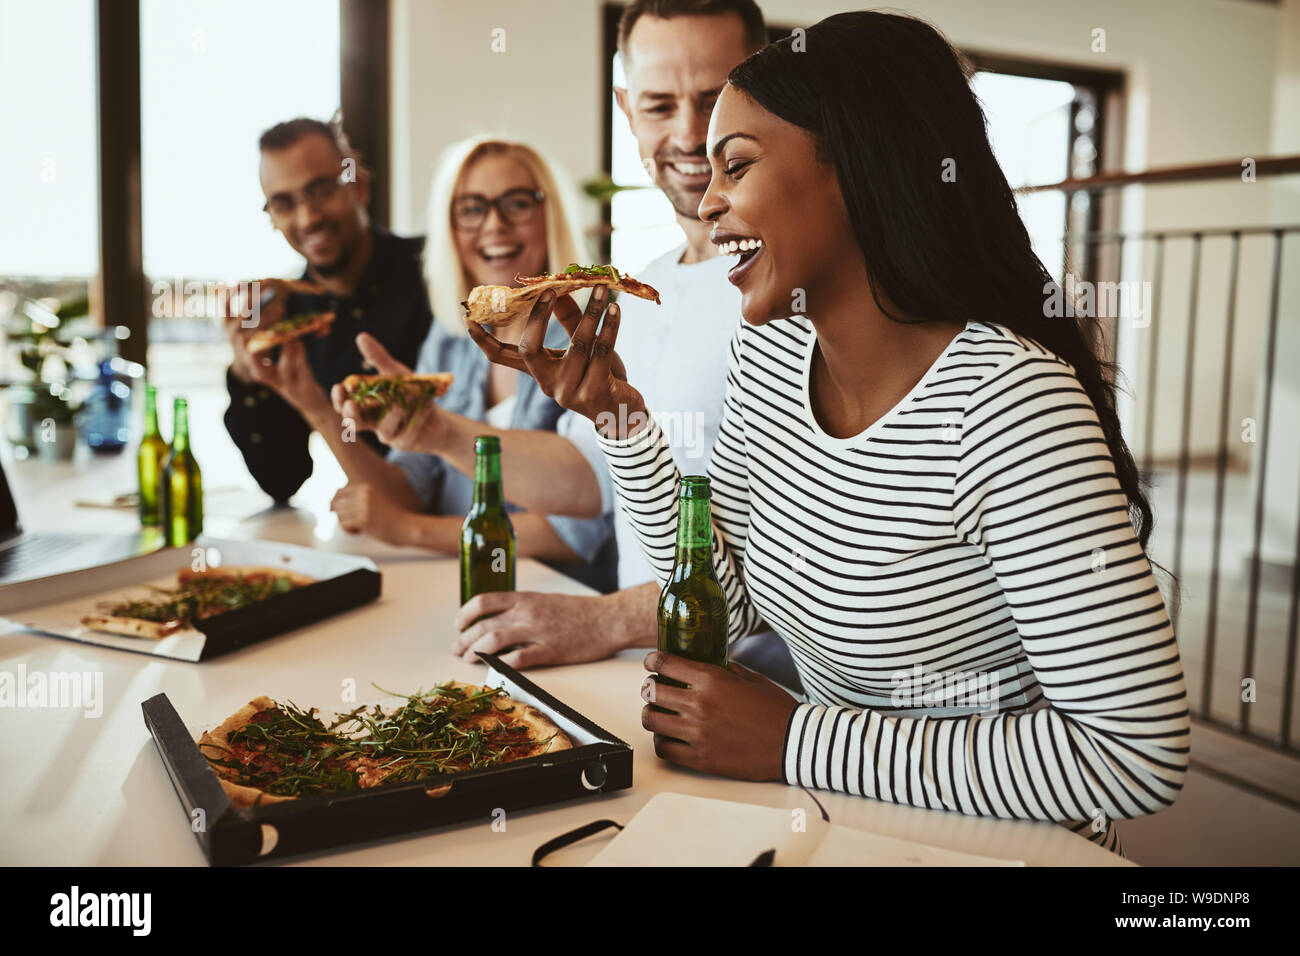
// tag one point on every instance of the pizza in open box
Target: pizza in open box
(269, 751)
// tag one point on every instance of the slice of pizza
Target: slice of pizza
(269, 752)
(135, 619)
(218, 590)
(251, 574)
(501, 305)
(376, 394)
(294, 327)
(199, 595)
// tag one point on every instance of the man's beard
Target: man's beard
(347, 250)
(685, 201)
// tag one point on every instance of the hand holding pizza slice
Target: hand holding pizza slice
(397, 404)
(588, 377)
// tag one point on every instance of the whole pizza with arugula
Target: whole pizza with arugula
(272, 751)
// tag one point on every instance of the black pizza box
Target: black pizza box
(56, 604)
(598, 763)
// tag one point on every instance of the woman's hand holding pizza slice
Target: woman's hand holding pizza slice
(588, 377)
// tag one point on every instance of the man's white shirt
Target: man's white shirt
(676, 357)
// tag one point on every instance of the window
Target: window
(1045, 124)
(214, 75)
(48, 163)
(1029, 130)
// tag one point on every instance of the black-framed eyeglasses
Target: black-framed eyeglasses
(515, 206)
(315, 193)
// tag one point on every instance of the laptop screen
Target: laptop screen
(8, 510)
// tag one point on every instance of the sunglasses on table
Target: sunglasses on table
(515, 206)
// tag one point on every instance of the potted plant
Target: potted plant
(54, 423)
(42, 415)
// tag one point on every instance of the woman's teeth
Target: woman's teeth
(500, 252)
(739, 245)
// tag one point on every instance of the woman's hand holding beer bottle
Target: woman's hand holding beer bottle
(588, 377)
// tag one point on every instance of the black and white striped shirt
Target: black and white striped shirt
(975, 624)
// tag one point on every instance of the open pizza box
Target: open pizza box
(597, 763)
(56, 604)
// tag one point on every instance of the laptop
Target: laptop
(24, 556)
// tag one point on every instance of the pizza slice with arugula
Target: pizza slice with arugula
(500, 305)
(198, 596)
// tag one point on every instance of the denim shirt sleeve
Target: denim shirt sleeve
(427, 472)
(586, 536)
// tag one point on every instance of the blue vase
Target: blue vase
(106, 415)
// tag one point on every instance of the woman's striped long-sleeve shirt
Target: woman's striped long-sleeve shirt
(973, 619)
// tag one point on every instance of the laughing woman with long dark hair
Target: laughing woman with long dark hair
(920, 481)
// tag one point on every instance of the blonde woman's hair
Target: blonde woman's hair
(445, 275)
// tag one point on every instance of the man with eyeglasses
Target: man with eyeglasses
(316, 196)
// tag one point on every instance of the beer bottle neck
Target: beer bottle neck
(150, 413)
(181, 429)
(487, 480)
(694, 532)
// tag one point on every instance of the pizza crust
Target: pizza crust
(131, 626)
(215, 744)
(539, 725)
(267, 339)
(500, 305)
(186, 575)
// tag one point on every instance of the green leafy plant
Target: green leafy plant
(603, 189)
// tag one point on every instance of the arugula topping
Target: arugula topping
(410, 395)
(288, 751)
(295, 321)
(591, 272)
(201, 598)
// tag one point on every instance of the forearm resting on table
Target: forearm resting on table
(633, 615)
(534, 536)
(540, 470)
(361, 463)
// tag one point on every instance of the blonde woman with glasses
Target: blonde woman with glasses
(497, 209)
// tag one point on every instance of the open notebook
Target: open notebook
(674, 829)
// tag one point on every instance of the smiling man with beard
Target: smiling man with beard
(316, 196)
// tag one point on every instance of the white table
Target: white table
(93, 791)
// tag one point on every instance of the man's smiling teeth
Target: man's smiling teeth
(691, 169)
(739, 245)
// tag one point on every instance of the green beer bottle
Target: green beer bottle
(487, 538)
(149, 462)
(692, 606)
(182, 484)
